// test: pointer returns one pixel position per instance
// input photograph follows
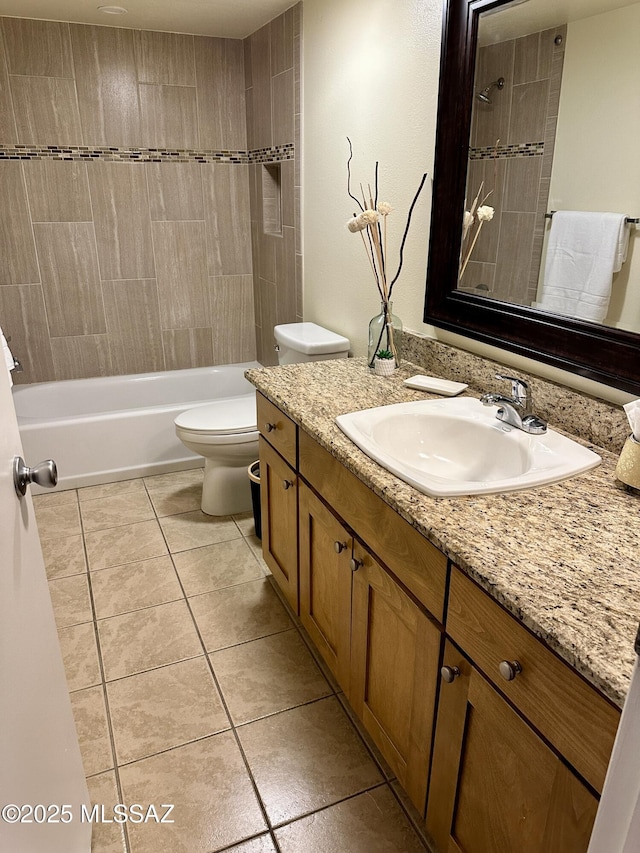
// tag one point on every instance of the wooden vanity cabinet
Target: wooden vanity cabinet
(325, 583)
(395, 650)
(495, 784)
(279, 496)
(522, 741)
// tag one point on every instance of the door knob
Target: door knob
(339, 547)
(355, 564)
(287, 484)
(43, 474)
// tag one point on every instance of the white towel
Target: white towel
(584, 251)
(8, 357)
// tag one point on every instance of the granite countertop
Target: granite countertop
(562, 558)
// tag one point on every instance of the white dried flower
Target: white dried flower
(354, 225)
(384, 208)
(368, 217)
(467, 222)
(485, 213)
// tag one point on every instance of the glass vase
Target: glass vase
(385, 332)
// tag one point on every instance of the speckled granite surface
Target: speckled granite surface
(563, 558)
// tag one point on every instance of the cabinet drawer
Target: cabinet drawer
(279, 430)
(411, 558)
(571, 714)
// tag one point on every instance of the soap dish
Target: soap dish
(445, 387)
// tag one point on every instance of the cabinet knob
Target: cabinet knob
(509, 669)
(339, 547)
(286, 484)
(449, 673)
(355, 564)
(269, 427)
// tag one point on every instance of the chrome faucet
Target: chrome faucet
(516, 410)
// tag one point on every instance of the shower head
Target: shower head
(484, 94)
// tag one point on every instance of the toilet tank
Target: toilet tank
(308, 342)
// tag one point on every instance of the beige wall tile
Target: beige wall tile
(107, 84)
(58, 191)
(46, 111)
(261, 91)
(70, 279)
(286, 276)
(133, 325)
(228, 216)
(18, 263)
(8, 132)
(175, 191)
(24, 318)
(220, 86)
(181, 258)
(38, 48)
(529, 112)
(492, 122)
(246, 49)
(165, 58)
(266, 317)
(168, 116)
(512, 273)
(233, 318)
(287, 191)
(522, 183)
(121, 214)
(184, 348)
(81, 356)
(281, 39)
(282, 100)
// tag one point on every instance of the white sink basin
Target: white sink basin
(458, 447)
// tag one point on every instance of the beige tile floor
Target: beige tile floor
(191, 684)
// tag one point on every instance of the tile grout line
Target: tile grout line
(119, 789)
(232, 729)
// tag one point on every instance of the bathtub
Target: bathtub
(117, 427)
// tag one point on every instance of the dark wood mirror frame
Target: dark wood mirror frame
(607, 355)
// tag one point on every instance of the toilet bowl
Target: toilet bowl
(225, 431)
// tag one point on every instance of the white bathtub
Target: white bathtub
(116, 427)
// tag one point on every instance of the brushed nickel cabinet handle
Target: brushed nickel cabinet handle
(509, 669)
(355, 564)
(339, 547)
(269, 427)
(286, 484)
(449, 673)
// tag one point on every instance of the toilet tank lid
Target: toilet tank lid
(309, 338)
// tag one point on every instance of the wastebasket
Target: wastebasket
(254, 477)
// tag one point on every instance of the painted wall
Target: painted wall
(370, 71)
(596, 164)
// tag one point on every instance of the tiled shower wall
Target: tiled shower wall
(522, 121)
(272, 76)
(125, 225)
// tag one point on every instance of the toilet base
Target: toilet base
(226, 489)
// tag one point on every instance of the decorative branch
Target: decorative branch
(406, 231)
(349, 175)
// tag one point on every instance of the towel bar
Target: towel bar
(630, 220)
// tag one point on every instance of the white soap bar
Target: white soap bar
(436, 385)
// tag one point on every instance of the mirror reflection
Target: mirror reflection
(553, 179)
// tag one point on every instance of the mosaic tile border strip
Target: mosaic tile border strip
(276, 153)
(507, 152)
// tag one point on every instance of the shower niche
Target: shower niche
(513, 126)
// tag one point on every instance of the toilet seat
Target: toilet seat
(230, 421)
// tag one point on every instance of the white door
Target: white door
(40, 764)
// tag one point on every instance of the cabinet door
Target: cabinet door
(395, 651)
(279, 508)
(495, 785)
(325, 583)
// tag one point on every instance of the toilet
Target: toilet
(225, 431)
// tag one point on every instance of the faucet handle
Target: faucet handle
(519, 388)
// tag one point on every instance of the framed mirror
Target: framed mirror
(503, 138)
